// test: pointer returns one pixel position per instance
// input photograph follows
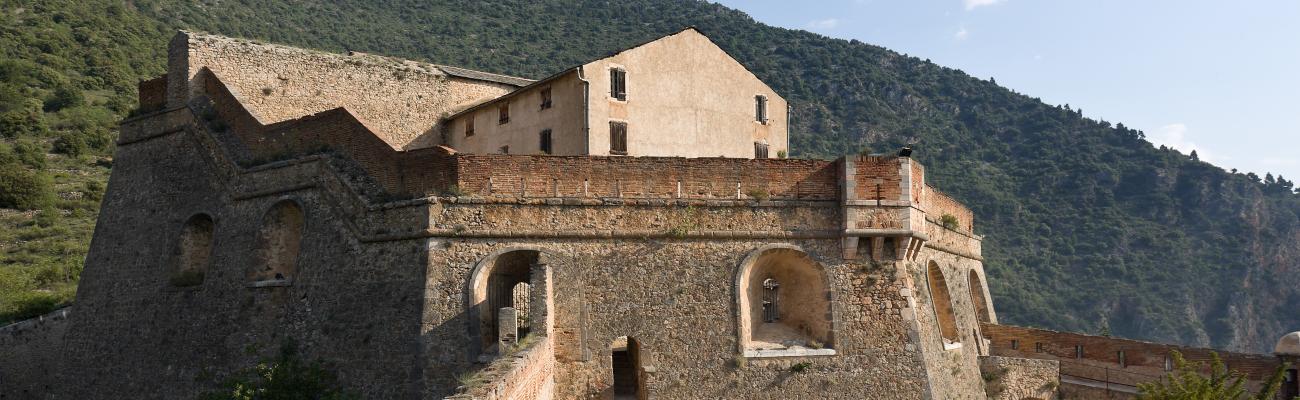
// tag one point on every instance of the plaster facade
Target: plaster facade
(684, 97)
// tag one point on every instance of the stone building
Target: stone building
(270, 195)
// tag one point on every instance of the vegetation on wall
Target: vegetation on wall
(1186, 382)
(1087, 224)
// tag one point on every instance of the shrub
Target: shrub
(20, 123)
(94, 190)
(949, 221)
(72, 144)
(23, 189)
(30, 153)
(800, 367)
(780, 154)
(757, 194)
(1186, 382)
(285, 377)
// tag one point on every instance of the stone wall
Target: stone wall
(528, 374)
(30, 353)
(1008, 378)
(400, 100)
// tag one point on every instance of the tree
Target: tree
(1187, 383)
(1195, 157)
(22, 189)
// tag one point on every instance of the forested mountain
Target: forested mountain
(1088, 227)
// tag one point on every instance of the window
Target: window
(1123, 363)
(760, 150)
(1015, 344)
(770, 299)
(1038, 347)
(760, 108)
(505, 149)
(503, 114)
(618, 84)
(546, 141)
(618, 138)
(546, 98)
(469, 126)
(1078, 351)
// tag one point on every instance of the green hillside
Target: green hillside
(1088, 227)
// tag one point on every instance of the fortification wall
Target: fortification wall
(351, 302)
(30, 353)
(1010, 378)
(954, 369)
(401, 100)
(526, 375)
(1096, 359)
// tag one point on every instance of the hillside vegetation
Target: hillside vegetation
(1088, 226)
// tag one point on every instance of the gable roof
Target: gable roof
(484, 76)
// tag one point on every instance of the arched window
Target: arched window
(942, 304)
(977, 298)
(278, 241)
(194, 252)
(784, 304)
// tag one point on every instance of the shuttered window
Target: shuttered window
(760, 108)
(618, 138)
(469, 126)
(760, 150)
(546, 141)
(618, 84)
(546, 98)
(503, 114)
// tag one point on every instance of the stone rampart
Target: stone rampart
(401, 99)
(527, 374)
(30, 353)
(1009, 378)
(1120, 363)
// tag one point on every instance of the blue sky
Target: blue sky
(1220, 77)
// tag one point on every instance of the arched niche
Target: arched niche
(279, 241)
(506, 278)
(941, 301)
(784, 304)
(978, 298)
(193, 252)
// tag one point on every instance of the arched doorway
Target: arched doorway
(625, 359)
(499, 281)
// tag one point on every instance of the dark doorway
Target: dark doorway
(626, 357)
(1290, 387)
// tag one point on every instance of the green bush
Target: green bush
(1186, 382)
(30, 153)
(72, 144)
(23, 189)
(285, 377)
(20, 123)
(949, 221)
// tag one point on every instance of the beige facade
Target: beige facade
(684, 97)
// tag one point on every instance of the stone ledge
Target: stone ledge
(789, 353)
(271, 283)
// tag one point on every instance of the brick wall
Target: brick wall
(646, 177)
(1144, 361)
(153, 94)
(873, 171)
(526, 375)
(937, 204)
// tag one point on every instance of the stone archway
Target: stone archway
(941, 301)
(978, 299)
(509, 278)
(784, 303)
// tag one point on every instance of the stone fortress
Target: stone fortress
(627, 228)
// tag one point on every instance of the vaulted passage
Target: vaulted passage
(977, 298)
(503, 282)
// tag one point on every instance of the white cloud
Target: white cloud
(1175, 136)
(961, 34)
(829, 23)
(972, 4)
